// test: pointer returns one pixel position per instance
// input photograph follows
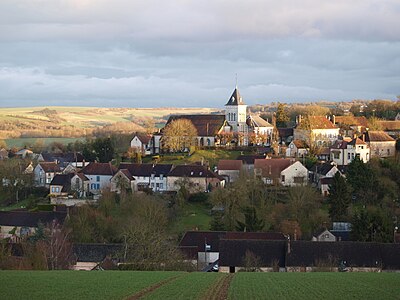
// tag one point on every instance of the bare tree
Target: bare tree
(179, 135)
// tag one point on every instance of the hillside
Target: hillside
(60, 121)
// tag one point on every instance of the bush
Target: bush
(198, 197)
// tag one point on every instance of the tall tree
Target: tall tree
(363, 181)
(282, 117)
(339, 198)
(251, 222)
(179, 135)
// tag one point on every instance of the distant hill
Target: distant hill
(61, 121)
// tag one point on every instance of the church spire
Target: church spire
(236, 98)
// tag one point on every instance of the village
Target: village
(320, 157)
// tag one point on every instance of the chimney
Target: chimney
(299, 119)
(333, 119)
(363, 137)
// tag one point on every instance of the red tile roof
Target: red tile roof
(378, 136)
(351, 120)
(389, 125)
(272, 168)
(230, 164)
(316, 122)
(50, 167)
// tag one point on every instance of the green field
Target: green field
(22, 142)
(180, 285)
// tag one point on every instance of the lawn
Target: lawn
(76, 284)
(192, 216)
(315, 286)
(210, 156)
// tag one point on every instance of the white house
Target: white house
(315, 130)
(297, 148)
(343, 152)
(230, 169)
(80, 184)
(381, 144)
(99, 175)
(141, 143)
(282, 171)
(44, 173)
(323, 176)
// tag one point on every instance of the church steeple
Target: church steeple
(236, 98)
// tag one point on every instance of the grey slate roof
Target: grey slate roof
(30, 219)
(235, 98)
(96, 252)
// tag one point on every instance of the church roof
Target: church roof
(206, 125)
(235, 98)
(257, 121)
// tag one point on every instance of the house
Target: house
(44, 173)
(324, 235)
(262, 131)
(308, 256)
(137, 174)
(3, 154)
(323, 176)
(230, 169)
(80, 184)
(99, 175)
(380, 144)
(141, 143)
(350, 125)
(97, 256)
(285, 135)
(315, 130)
(392, 128)
(24, 153)
(297, 148)
(74, 159)
(203, 247)
(269, 253)
(344, 151)
(24, 223)
(248, 161)
(198, 178)
(61, 184)
(281, 171)
(158, 177)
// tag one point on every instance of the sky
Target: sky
(178, 53)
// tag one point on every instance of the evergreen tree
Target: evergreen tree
(363, 181)
(282, 117)
(339, 198)
(371, 225)
(217, 222)
(251, 222)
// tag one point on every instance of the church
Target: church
(235, 127)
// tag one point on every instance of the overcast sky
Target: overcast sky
(127, 53)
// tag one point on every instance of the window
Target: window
(298, 179)
(52, 189)
(161, 185)
(152, 176)
(97, 178)
(283, 178)
(388, 151)
(348, 156)
(191, 173)
(336, 155)
(157, 185)
(152, 185)
(201, 173)
(57, 189)
(161, 176)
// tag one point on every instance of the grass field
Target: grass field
(76, 284)
(193, 215)
(180, 285)
(315, 286)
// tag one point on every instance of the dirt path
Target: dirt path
(219, 291)
(151, 288)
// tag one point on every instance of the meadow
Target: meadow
(180, 285)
